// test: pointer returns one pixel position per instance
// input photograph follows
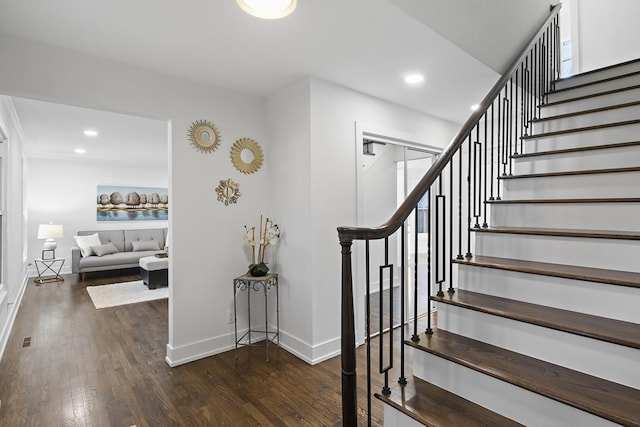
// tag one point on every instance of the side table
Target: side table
(53, 265)
(264, 283)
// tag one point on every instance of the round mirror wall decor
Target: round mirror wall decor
(228, 191)
(204, 136)
(246, 155)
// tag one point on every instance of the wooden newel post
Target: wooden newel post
(348, 341)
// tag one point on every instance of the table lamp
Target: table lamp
(50, 232)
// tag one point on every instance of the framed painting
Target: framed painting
(122, 203)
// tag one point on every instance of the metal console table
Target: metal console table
(53, 265)
(264, 283)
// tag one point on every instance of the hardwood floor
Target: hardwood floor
(88, 367)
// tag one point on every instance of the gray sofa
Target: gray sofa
(131, 245)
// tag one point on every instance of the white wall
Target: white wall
(63, 191)
(207, 246)
(608, 32)
(289, 119)
(14, 277)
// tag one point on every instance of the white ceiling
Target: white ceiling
(366, 45)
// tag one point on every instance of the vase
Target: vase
(258, 271)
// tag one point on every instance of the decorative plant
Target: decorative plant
(268, 234)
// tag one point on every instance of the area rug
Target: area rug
(124, 293)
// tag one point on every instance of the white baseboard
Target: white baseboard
(11, 316)
(312, 354)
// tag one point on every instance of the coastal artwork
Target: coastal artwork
(121, 203)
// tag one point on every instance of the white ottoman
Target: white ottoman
(154, 271)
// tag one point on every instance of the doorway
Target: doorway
(389, 169)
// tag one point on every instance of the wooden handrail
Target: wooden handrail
(404, 210)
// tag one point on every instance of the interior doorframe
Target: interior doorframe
(376, 133)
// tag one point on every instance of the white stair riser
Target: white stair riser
(622, 184)
(591, 119)
(511, 401)
(599, 75)
(609, 135)
(595, 216)
(393, 417)
(587, 252)
(598, 299)
(616, 98)
(583, 160)
(605, 360)
(594, 88)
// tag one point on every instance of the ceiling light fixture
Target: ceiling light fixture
(80, 151)
(414, 79)
(268, 9)
(90, 132)
(474, 107)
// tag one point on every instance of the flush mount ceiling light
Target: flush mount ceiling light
(90, 132)
(413, 79)
(80, 151)
(268, 9)
(474, 107)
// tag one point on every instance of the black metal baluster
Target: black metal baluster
(451, 289)
(368, 326)
(492, 133)
(440, 249)
(485, 224)
(384, 369)
(498, 145)
(403, 379)
(477, 176)
(429, 331)
(469, 146)
(460, 204)
(415, 336)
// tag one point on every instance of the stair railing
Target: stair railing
(460, 185)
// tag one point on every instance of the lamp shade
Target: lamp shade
(49, 231)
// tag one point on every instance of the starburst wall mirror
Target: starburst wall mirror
(246, 155)
(204, 136)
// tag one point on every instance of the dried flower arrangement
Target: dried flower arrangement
(268, 234)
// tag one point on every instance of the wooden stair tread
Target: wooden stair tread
(584, 112)
(572, 173)
(580, 129)
(606, 399)
(576, 201)
(562, 232)
(601, 328)
(596, 70)
(434, 406)
(599, 275)
(576, 149)
(587, 84)
(594, 95)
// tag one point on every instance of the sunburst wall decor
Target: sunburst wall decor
(246, 155)
(204, 136)
(228, 191)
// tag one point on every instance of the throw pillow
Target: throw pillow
(85, 243)
(146, 245)
(107, 249)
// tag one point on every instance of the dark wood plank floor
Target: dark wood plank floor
(88, 367)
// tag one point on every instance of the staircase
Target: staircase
(543, 327)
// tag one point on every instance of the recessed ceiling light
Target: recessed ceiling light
(414, 79)
(90, 132)
(474, 107)
(80, 150)
(268, 9)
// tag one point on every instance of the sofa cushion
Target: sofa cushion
(145, 245)
(151, 234)
(86, 242)
(108, 236)
(102, 250)
(113, 261)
